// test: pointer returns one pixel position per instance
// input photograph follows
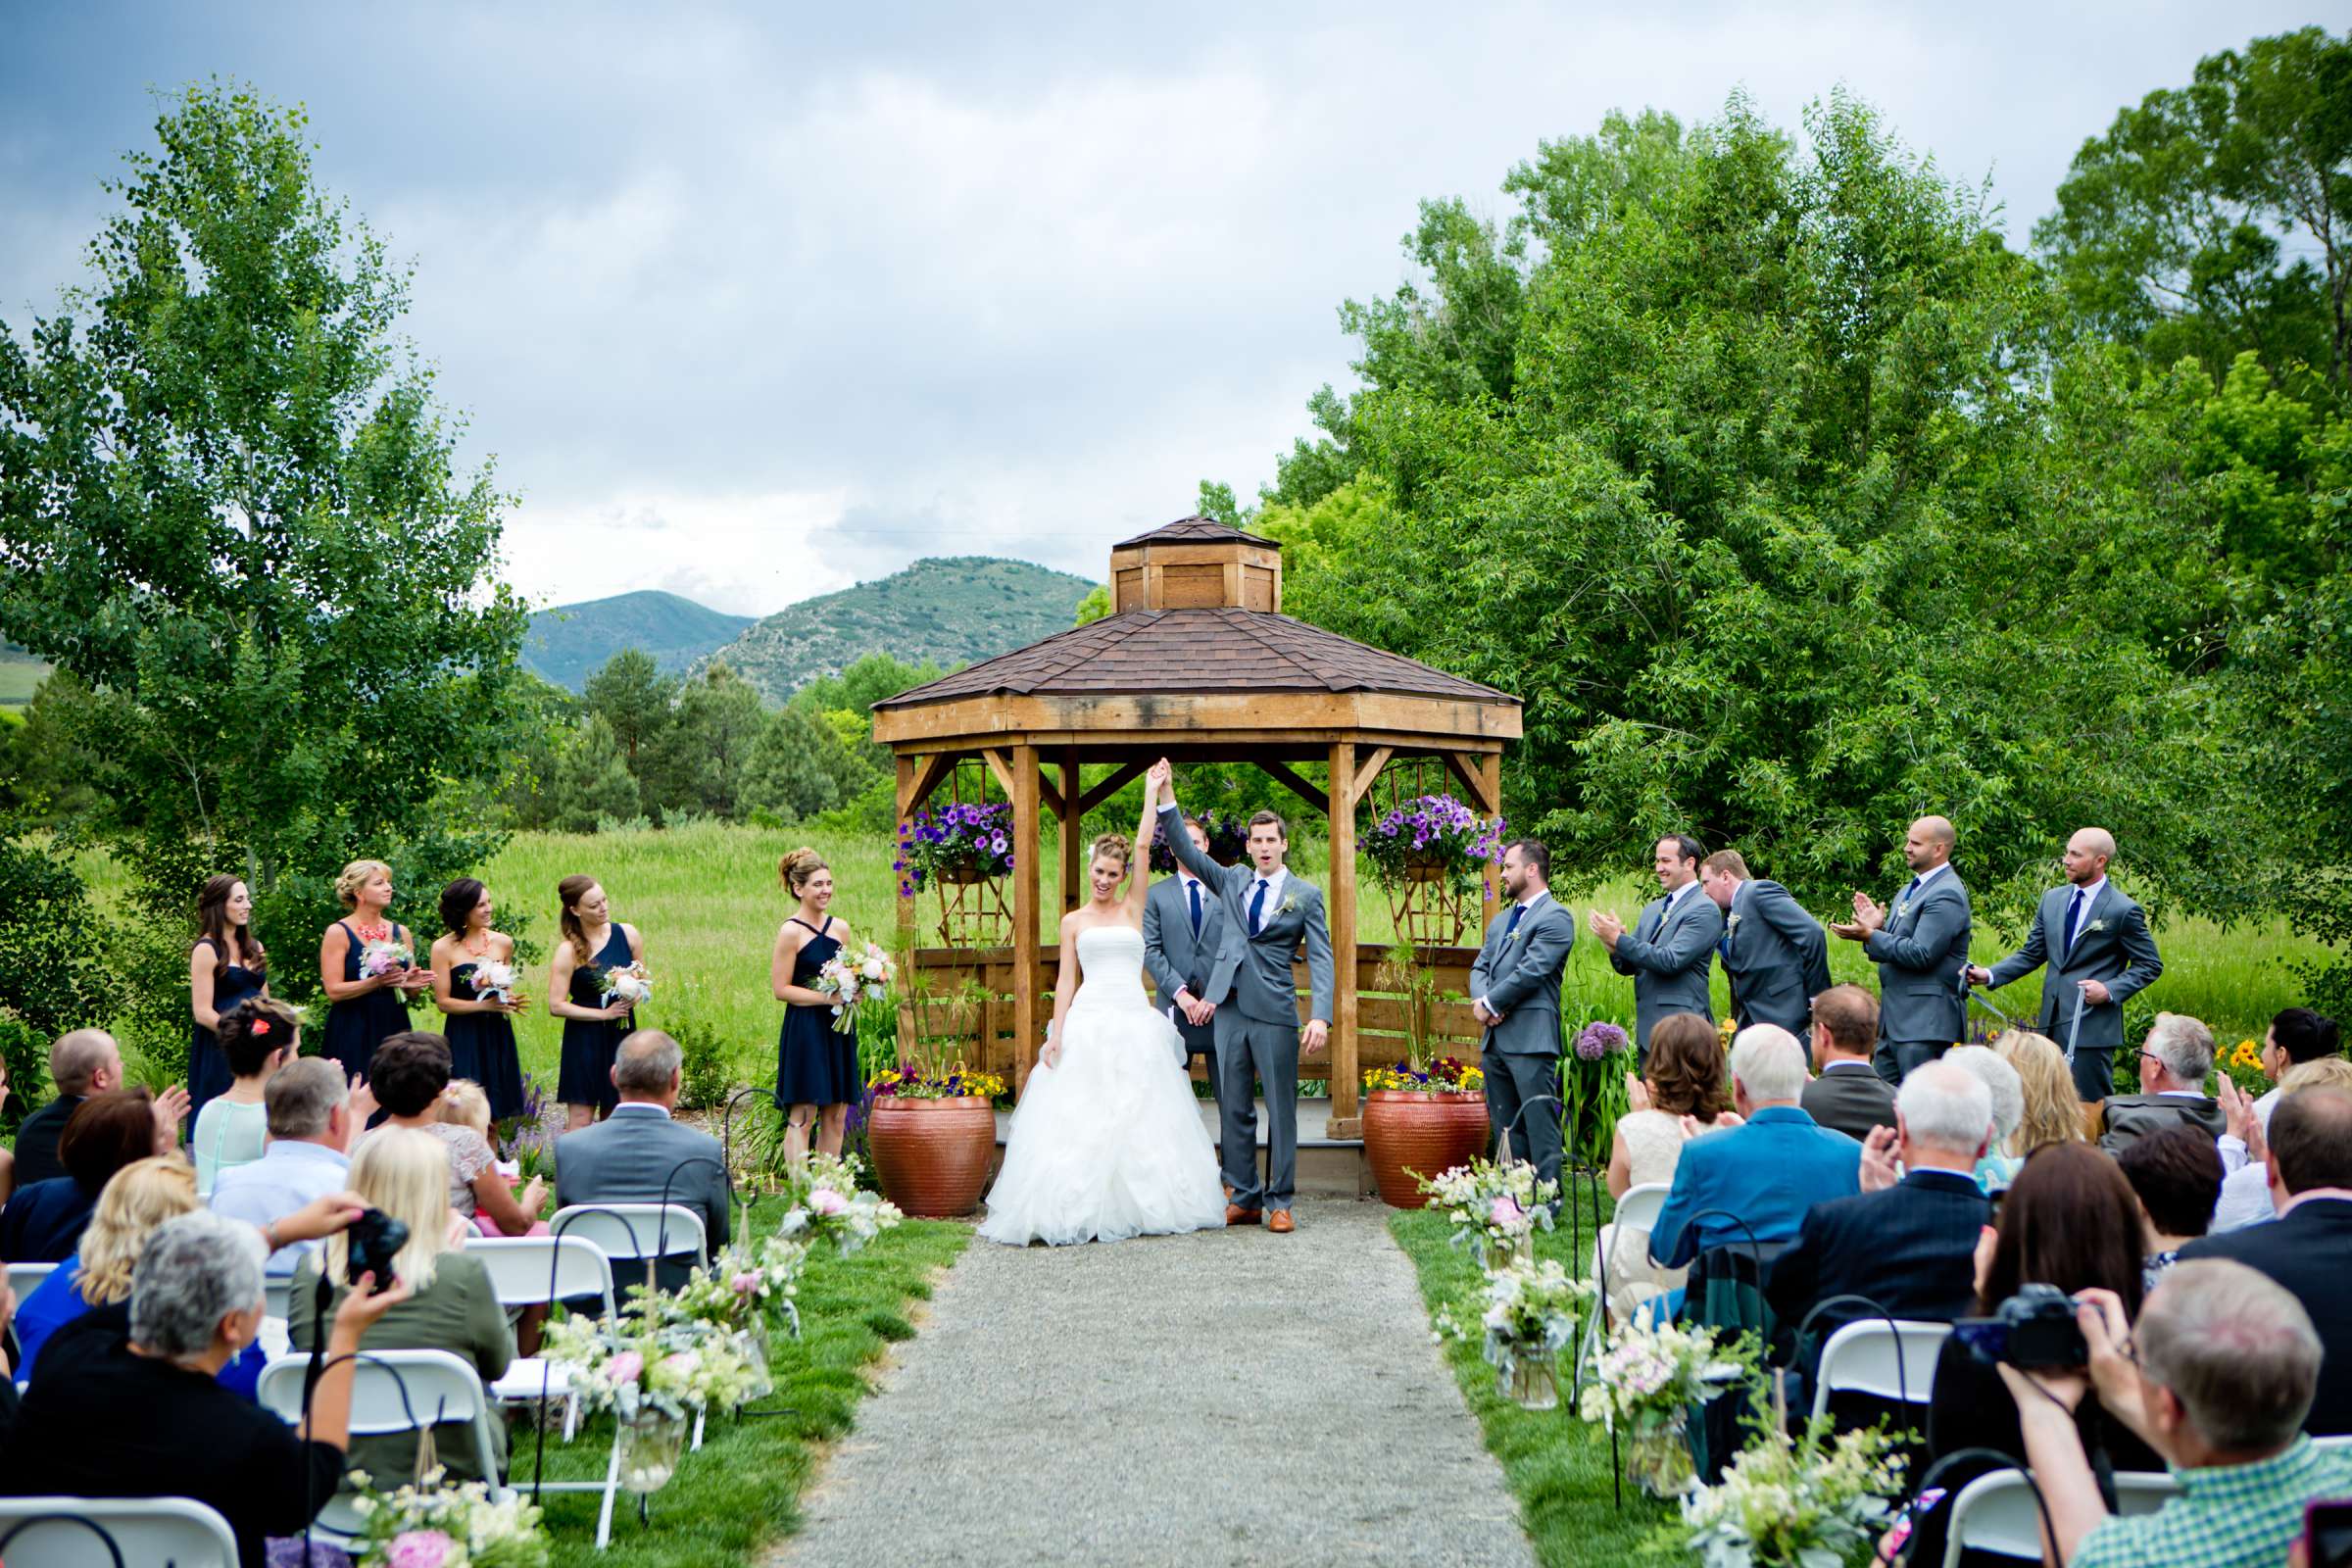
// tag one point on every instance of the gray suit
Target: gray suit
(1775, 957)
(1847, 1096)
(1177, 961)
(1668, 955)
(1258, 1016)
(1920, 951)
(1519, 976)
(629, 1159)
(2112, 946)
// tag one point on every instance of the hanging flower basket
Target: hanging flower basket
(1432, 838)
(955, 845)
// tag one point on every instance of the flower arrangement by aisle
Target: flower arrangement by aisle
(437, 1526)
(741, 1285)
(384, 956)
(623, 982)
(1791, 1503)
(652, 1376)
(1228, 841)
(1496, 1209)
(525, 1141)
(1648, 1377)
(1432, 837)
(1443, 1075)
(1530, 1315)
(956, 843)
(853, 978)
(823, 1200)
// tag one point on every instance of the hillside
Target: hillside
(567, 644)
(952, 611)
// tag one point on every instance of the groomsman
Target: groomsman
(2095, 941)
(1921, 946)
(1184, 926)
(1774, 954)
(1668, 950)
(1515, 994)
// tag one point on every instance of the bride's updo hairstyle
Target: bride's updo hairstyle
(796, 867)
(1112, 847)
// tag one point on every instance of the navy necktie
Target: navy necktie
(2074, 912)
(1257, 907)
(1510, 928)
(1909, 890)
(1194, 888)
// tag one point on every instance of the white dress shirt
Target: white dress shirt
(288, 1175)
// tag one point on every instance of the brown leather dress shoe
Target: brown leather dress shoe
(1279, 1222)
(1235, 1214)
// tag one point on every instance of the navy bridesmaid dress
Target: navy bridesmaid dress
(481, 1047)
(590, 1046)
(815, 1064)
(354, 1028)
(209, 1076)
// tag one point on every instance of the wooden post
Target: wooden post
(906, 909)
(1026, 846)
(1073, 851)
(1490, 775)
(1345, 1082)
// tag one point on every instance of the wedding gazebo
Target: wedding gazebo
(1197, 662)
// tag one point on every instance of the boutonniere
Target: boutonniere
(1902, 907)
(1731, 925)
(1289, 904)
(2095, 925)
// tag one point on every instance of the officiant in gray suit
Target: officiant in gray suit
(1515, 994)
(1775, 955)
(1184, 926)
(1921, 946)
(1672, 943)
(1268, 914)
(2095, 941)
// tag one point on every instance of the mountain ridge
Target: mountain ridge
(569, 643)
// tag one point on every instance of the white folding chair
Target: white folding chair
(2341, 1441)
(392, 1391)
(57, 1533)
(531, 1271)
(1638, 1210)
(1886, 1360)
(278, 1289)
(24, 1278)
(1997, 1512)
(633, 1233)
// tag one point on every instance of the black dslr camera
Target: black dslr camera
(375, 1239)
(2033, 1330)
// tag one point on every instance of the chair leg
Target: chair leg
(571, 1415)
(698, 1432)
(604, 1515)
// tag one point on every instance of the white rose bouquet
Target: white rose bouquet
(624, 982)
(850, 978)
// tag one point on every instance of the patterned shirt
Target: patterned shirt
(2228, 1516)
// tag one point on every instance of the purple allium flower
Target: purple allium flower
(1600, 1038)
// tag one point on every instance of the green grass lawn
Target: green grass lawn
(18, 680)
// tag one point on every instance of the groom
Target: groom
(1267, 914)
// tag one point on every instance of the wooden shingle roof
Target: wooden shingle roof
(1194, 530)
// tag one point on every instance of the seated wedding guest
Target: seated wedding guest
(451, 1307)
(81, 1063)
(257, 1037)
(2309, 1247)
(1683, 1076)
(2176, 1176)
(466, 1103)
(2218, 1375)
(637, 1151)
(1846, 1094)
(408, 1075)
(1998, 1169)
(1767, 1171)
(311, 1120)
(2068, 1220)
(1911, 1248)
(2052, 1111)
(2296, 1035)
(2174, 1061)
(43, 1222)
(2245, 1149)
(129, 1403)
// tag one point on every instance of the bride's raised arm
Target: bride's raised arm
(1139, 862)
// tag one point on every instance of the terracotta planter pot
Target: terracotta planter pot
(931, 1156)
(1429, 1133)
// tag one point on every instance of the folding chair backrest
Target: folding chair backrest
(521, 1268)
(24, 1278)
(278, 1289)
(1997, 1513)
(392, 1391)
(177, 1531)
(1887, 1361)
(635, 1231)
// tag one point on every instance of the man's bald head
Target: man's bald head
(2088, 854)
(1929, 844)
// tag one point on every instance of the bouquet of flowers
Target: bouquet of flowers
(437, 1526)
(852, 978)
(1228, 841)
(1433, 834)
(823, 1200)
(383, 956)
(494, 981)
(957, 842)
(665, 1361)
(1792, 1502)
(1441, 1075)
(623, 982)
(1495, 1208)
(1532, 1310)
(1654, 1372)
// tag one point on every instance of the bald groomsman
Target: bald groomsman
(1669, 948)
(1921, 946)
(1774, 954)
(2095, 941)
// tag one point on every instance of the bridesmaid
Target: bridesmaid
(225, 967)
(364, 1013)
(480, 1032)
(816, 1067)
(593, 942)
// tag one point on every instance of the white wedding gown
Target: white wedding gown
(1109, 1143)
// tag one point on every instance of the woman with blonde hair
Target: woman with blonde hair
(451, 1306)
(816, 1064)
(593, 945)
(2053, 1110)
(364, 1008)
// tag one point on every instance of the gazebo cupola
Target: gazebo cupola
(1195, 564)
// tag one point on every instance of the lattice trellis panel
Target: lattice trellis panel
(1428, 913)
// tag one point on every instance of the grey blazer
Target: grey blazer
(1172, 957)
(2112, 946)
(1521, 978)
(1775, 957)
(1668, 959)
(1852, 1101)
(1920, 951)
(1256, 971)
(627, 1158)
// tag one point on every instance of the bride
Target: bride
(1107, 1140)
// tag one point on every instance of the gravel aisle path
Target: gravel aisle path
(1222, 1398)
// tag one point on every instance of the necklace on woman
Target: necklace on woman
(471, 951)
(376, 933)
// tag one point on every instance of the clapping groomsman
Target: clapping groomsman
(1774, 954)
(1668, 950)
(2095, 941)
(1184, 926)
(1921, 946)
(1515, 994)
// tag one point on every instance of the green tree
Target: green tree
(543, 718)
(632, 696)
(52, 973)
(1094, 607)
(708, 744)
(592, 784)
(800, 767)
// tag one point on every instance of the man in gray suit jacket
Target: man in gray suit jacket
(1184, 926)
(1515, 993)
(2095, 941)
(1921, 946)
(1268, 913)
(634, 1153)
(1774, 954)
(1668, 950)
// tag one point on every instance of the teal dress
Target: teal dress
(590, 1046)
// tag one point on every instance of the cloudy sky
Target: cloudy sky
(753, 302)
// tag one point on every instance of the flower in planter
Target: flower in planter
(1601, 1038)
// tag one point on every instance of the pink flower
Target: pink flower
(1506, 1213)
(418, 1548)
(744, 1283)
(825, 1201)
(626, 1368)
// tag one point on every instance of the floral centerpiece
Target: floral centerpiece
(1793, 1502)
(651, 1375)
(1496, 1208)
(1649, 1376)
(823, 1202)
(437, 1526)
(956, 843)
(1228, 841)
(1432, 838)
(852, 978)
(1531, 1312)
(623, 982)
